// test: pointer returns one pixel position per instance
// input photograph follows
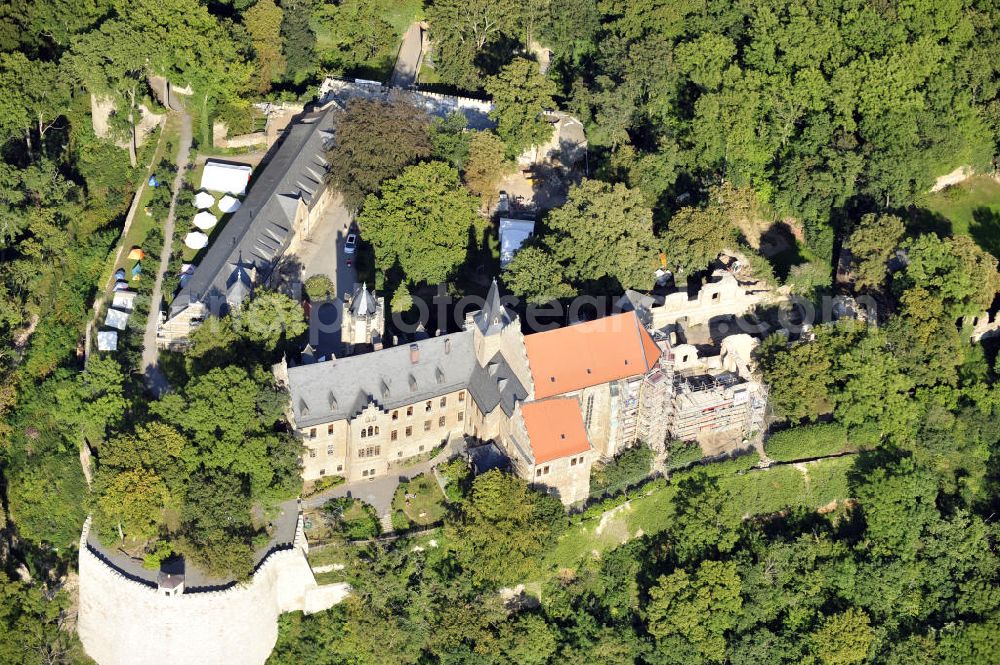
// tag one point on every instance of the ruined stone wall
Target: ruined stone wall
(123, 621)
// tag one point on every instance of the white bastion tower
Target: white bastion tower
(130, 615)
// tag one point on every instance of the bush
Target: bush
(457, 475)
(352, 518)
(682, 453)
(325, 483)
(400, 522)
(630, 467)
(320, 287)
(808, 442)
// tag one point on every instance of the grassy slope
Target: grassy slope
(761, 492)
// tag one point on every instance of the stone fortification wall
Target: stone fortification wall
(123, 621)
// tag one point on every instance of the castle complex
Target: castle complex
(554, 402)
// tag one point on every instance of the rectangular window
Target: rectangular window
(329, 450)
(329, 430)
(421, 449)
(312, 453)
(322, 472)
(427, 426)
(312, 433)
(572, 462)
(409, 410)
(461, 416)
(395, 414)
(392, 435)
(340, 467)
(427, 406)
(538, 472)
(409, 431)
(364, 474)
(444, 402)
(461, 396)
(441, 421)
(589, 412)
(545, 469)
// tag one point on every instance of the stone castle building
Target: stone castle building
(554, 402)
(286, 200)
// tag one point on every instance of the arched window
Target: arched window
(376, 429)
(362, 433)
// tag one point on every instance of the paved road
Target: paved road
(404, 74)
(155, 381)
(323, 254)
(379, 491)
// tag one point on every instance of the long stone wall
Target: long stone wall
(123, 621)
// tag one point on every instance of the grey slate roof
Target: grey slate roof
(259, 232)
(493, 317)
(363, 301)
(339, 389)
(496, 384)
(238, 286)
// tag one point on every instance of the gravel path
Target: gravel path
(156, 382)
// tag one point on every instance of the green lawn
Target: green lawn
(426, 503)
(166, 148)
(971, 207)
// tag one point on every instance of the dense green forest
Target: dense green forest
(708, 122)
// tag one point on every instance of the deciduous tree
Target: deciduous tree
(422, 221)
(263, 22)
(486, 165)
(521, 96)
(872, 243)
(604, 231)
(535, 275)
(695, 612)
(376, 140)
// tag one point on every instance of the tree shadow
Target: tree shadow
(496, 54)
(985, 229)
(921, 220)
(780, 246)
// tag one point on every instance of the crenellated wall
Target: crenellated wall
(123, 621)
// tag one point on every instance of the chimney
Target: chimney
(447, 345)
(414, 354)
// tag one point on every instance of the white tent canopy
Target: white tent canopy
(513, 234)
(204, 200)
(124, 300)
(229, 204)
(107, 340)
(205, 220)
(226, 178)
(195, 240)
(116, 319)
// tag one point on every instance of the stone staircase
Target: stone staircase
(386, 521)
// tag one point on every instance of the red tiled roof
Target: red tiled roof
(589, 354)
(555, 428)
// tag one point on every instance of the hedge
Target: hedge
(807, 442)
